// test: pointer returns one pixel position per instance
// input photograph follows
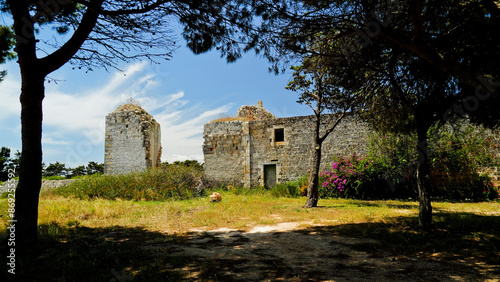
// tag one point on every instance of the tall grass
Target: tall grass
(172, 182)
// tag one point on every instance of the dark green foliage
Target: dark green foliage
(94, 167)
(458, 158)
(174, 182)
(4, 163)
(7, 42)
(188, 163)
(7, 162)
(90, 169)
(55, 169)
(472, 186)
(389, 170)
(78, 171)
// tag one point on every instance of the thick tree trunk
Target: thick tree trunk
(30, 172)
(423, 179)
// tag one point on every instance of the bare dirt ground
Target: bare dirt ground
(289, 252)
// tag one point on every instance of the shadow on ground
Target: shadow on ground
(462, 246)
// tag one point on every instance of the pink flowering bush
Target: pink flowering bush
(389, 169)
(355, 177)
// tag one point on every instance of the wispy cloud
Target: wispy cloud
(51, 141)
(183, 138)
(74, 122)
(9, 93)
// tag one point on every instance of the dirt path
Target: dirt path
(288, 252)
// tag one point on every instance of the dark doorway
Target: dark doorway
(270, 175)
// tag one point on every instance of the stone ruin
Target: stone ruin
(133, 140)
(253, 148)
(256, 148)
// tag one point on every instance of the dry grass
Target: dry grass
(235, 211)
(104, 240)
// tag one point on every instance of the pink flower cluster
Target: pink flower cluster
(340, 173)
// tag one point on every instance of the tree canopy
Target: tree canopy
(456, 38)
(101, 33)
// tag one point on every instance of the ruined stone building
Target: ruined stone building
(256, 148)
(132, 142)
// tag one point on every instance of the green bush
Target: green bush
(457, 156)
(356, 177)
(289, 190)
(474, 188)
(389, 169)
(173, 182)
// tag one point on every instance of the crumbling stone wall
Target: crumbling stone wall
(224, 151)
(237, 151)
(133, 140)
(293, 155)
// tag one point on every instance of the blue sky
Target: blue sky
(182, 94)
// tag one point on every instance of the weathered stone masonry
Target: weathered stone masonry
(133, 140)
(256, 146)
(243, 151)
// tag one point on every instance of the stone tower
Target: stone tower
(133, 140)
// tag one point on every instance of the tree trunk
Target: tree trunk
(30, 172)
(312, 187)
(423, 179)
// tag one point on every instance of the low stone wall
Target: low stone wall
(46, 184)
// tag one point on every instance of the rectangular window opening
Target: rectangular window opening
(279, 135)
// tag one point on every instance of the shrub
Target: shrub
(475, 188)
(289, 190)
(456, 156)
(356, 177)
(173, 182)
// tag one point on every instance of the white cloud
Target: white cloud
(74, 122)
(183, 138)
(10, 90)
(51, 141)
(85, 110)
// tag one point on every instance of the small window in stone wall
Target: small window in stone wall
(279, 134)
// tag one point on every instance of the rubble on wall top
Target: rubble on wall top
(249, 113)
(134, 107)
(254, 113)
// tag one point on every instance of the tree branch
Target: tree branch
(142, 10)
(418, 24)
(431, 55)
(332, 128)
(57, 59)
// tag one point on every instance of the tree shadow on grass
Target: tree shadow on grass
(462, 245)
